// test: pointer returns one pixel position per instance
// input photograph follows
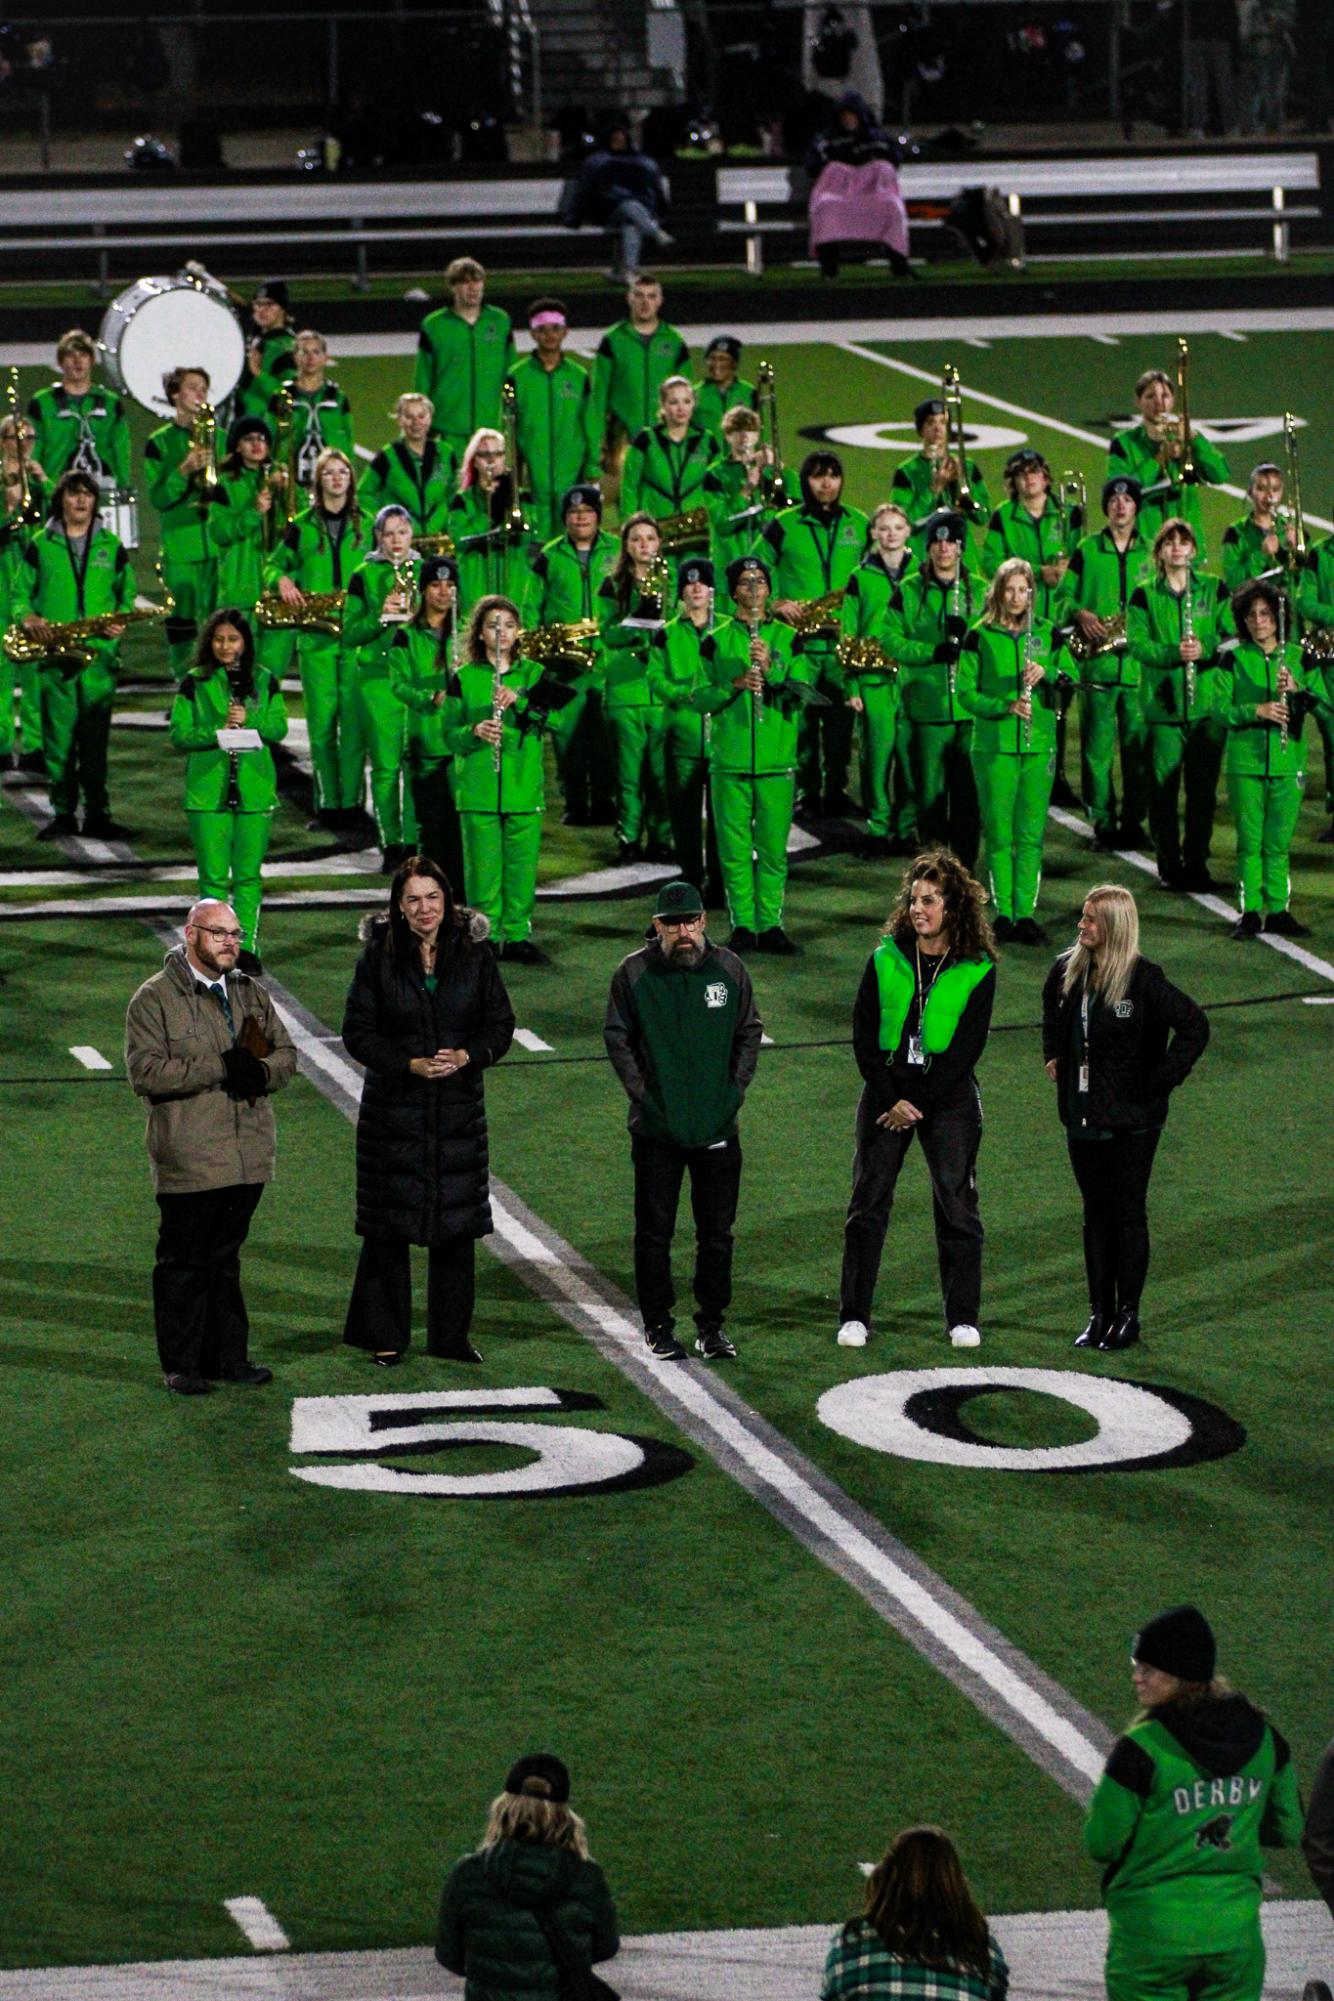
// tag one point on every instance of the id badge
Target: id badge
(916, 1053)
(1083, 1080)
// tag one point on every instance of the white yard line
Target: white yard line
(526, 1039)
(256, 1920)
(91, 1059)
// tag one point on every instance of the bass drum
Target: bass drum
(165, 323)
(119, 511)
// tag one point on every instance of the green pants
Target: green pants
(1014, 793)
(335, 720)
(1147, 1970)
(229, 851)
(1265, 810)
(76, 729)
(638, 747)
(753, 817)
(1106, 714)
(886, 777)
(7, 712)
(500, 864)
(384, 722)
(194, 587)
(695, 844)
(944, 787)
(583, 755)
(1193, 753)
(30, 707)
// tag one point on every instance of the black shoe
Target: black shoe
(58, 829)
(714, 898)
(575, 816)
(1063, 793)
(1123, 1332)
(1283, 924)
(523, 952)
(903, 844)
(1029, 932)
(1248, 925)
(251, 1374)
(388, 860)
(1317, 1990)
(874, 848)
(101, 827)
(807, 807)
(1171, 878)
(1197, 878)
(742, 940)
(629, 851)
(659, 851)
(465, 1352)
(664, 1344)
(33, 762)
(838, 806)
(602, 813)
(186, 1384)
(1002, 928)
(713, 1345)
(250, 962)
(387, 1358)
(1132, 836)
(1095, 1333)
(1103, 842)
(776, 940)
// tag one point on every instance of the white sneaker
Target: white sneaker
(964, 1336)
(853, 1334)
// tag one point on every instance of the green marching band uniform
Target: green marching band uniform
(54, 582)
(229, 795)
(241, 537)
(634, 720)
(1315, 602)
(1100, 579)
(1014, 762)
(419, 662)
(462, 367)
(492, 557)
(383, 716)
(664, 475)
(500, 811)
(321, 421)
(712, 403)
(188, 566)
(926, 634)
(1266, 776)
(813, 550)
(565, 585)
(1185, 714)
(677, 672)
(255, 392)
(886, 774)
(752, 763)
(1037, 538)
(319, 552)
(738, 515)
(912, 486)
(15, 535)
(422, 484)
(89, 433)
(628, 370)
(551, 425)
(1132, 454)
(1244, 552)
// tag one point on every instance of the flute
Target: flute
(1188, 632)
(1025, 692)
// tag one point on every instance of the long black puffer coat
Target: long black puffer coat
(488, 1931)
(422, 1166)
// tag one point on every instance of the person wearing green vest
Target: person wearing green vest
(919, 1027)
(1192, 1791)
(180, 474)
(1176, 627)
(1315, 602)
(722, 389)
(1261, 543)
(382, 594)
(741, 491)
(886, 779)
(929, 482)
(316, 557)
(1007, 683)
(269, 349)
(631, 600)
(814, 547)
(416, 471)
(1265, 759)
(677, 671)
(633, 360)
(1153, 452)
(77, 425)
(567, 575)
(494, 719)
(231, 787)
(320, 412)
(424, 654)
(491, 536)
(465, 351)
(551, 392)
(1038, 526)
(1104, 570)
(23, 509)
(75, 569)
(927, 622)
(758, 683)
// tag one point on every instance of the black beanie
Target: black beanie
(248, 427)
(1179, 1642)
(275, 291)
(541, 1777)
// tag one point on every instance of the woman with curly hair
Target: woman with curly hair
(920, 1933)
(919, 1026)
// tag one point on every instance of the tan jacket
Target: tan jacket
(175, 1033)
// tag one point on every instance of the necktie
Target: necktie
(219, 993)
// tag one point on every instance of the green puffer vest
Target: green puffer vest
(945, 1003)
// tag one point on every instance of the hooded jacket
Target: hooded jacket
(488, 1931)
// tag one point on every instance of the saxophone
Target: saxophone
(866, 655)
(818, 614)
(571, 643)
(680, 532)
(321, 612)
(24, 648)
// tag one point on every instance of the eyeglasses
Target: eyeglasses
(682, 923)
(212, 931)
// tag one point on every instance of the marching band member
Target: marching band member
(1315, 602)
(1103, 572)
(1174, 628)
(551, 391)
(491, 544)
(321, 412)
(633, 360)
(1007, 683)
(18, 525)
(73, 568)
(178, 462)
(465, 352)
(677, 671)
(79, 425)
(864, 614)
(567, 575)
(416, 471)
(741, 490)
(631, 603)
(420, 658)
(1151, 452)
(929, 616)
(928, 481)
(269, 354)
(1265, 758)
(722, 388)
(382, 594)
(665, 466)
(1032, 524)
(240, 528)
(230, 793)
(1261, 542)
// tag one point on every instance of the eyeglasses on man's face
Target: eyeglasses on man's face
(213, 931)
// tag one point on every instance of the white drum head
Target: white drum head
(165, 323)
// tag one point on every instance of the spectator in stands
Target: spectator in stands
(1207, 53)
(855, 195)
(1267, 31)
(623, 192)
(530, 1911)
(920, 1931)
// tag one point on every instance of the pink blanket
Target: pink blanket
(859, 204)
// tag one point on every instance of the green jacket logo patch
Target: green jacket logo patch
(715, 994)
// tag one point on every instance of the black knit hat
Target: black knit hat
(248, 427)
(1123, 484)
(1020, 461)
(932, 406)
(434, 568)
(695, 570)
(945, 526)
(747, 566)
(275, 291)
(540, 1776)
(1179, 1642)
(583, 495)
(725, 344)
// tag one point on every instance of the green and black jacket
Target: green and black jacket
(321, 421)
(1100, 579)
(417, 675)
(62, 422)
(1155, 625)
(551, 419)
(628, 370)
(197, 714)
(746, 739)
(684, 1043)
(990, 678)
(662, 475)
(1255, 747)
(424, 483)
(518, 786)
(1037, 538)
(916, 637)
(277, 355)
(712, 405)
(461, 368)
(49, 579)
(179, 498)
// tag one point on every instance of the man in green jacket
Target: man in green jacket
(722, 388)
(633, 360)
(1103, 572)
(683, 1034)
(177, 469)
(1153, 452)
(928, 619)
(677, 671)
(269, 356)
(465, 351)
(566, 576)
(551, 392)
(1261, 542)
(77, 425)
(320, 412)
(415, 472)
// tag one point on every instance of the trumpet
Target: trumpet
(321, 611)
(817, 614)
(204, 438)
(67, 639)
(951, 390)
(1188, 469)
(688, 530)
(28, 513)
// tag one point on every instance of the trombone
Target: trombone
(956, 444)
(771, 478)
(1291, 554)
(28, 514)
(515, 523)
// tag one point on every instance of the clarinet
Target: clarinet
(232, 804)
(497, 711)
(1030, 656)
(1282, 663)
(951, 672)
(1188, 632)
(756, 694)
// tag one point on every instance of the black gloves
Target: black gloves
(246, 1075)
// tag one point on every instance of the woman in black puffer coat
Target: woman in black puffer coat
(1117, 1037)
(426, 1013)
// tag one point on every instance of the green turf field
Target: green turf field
(225, 1681)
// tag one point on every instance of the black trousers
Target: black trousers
(198, 1311)
(440, 835)
(715, 1185)
(949, 1140)
(379, 1313)
(1113, 1177)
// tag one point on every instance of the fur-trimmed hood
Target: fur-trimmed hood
(373, 926)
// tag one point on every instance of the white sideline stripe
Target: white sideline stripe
(258, 1923)
(527, 1040)
(766, 1041)
(1319, 1000)
(1226, 333)
(975, 340)
(91, 1059)
(1213, 904)
(1105, 340)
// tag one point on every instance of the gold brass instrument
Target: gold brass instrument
(771, 478)
(204, 437)
(515, 523)
(818, 614)
(322, 611)
(404, 586)
(1292, 554)
(681, 532)
(951, 390)
(574, 641)
(863, 656)
(657, 583)
(1186, 463)
(1083, 648)
(28, 513)
(433, 545)
(1074, 500)
(24, 648)
(281, 475)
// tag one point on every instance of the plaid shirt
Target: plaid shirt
(860, 1967)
